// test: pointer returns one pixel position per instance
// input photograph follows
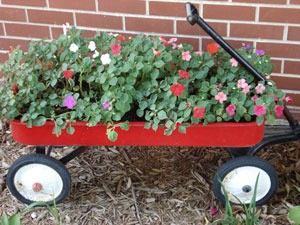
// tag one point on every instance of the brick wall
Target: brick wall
(272, 25)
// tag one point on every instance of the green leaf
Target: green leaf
(159, 64)
(124, 125)
(139, 66)
(294, 215)
(70, 130)
(39, 121)
(4, 219)
(260, 120)
(113, 81)
(112, 135)
(182, 129)
(162, 115)
(15, 219)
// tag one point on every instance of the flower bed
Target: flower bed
(107, 79)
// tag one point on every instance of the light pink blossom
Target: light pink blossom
(186, 56)
(234, 63)
(254, 98)
(241, 83)
(221, 97)
(260, 88)
(288, 99)
(246, 88)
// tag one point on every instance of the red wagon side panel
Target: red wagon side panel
(215, 135)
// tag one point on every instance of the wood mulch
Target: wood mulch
(149, 185)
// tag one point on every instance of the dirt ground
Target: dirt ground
(149, 185)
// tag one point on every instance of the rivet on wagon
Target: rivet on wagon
(37, 187)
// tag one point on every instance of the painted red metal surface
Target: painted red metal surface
(215, 134)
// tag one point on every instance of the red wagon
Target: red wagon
(39, 177)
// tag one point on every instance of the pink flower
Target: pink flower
(241, 83)
(183, 74)
(254, 98)
(177, 89)
(231, 110)
(172, 40)
(260, 110)
(69, 102)
(279, 110)
(246, 89)
(234, 63)
(199, 112)
(213, 211)
(106, 105)
(260, 88)
(221, 97)
(288, 99)
(199, 53)
(115, 49)
(156, 52)
(186, 56)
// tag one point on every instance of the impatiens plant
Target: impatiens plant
(108, 79)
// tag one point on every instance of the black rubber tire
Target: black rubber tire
(243, 162)
(43, 160)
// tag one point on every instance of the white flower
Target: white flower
(96, 54)
(92, 46)
(73, 47)
(65, 28)
(105, 59)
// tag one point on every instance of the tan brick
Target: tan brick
(167, 9)
(122, 6)
(280, 15)
(296, 2)
(293, 33)
(262, 1)
(280, 50)
(256, 31)
(76, 4)
(50, 17)
(292, 67)
(149, 25)
(184, 27)
(3, 58)
(12, 14)
(39, 3)
(226, 12)
(287, 83)
(23, 30)
(277, 66)
(7, 43)
(99, 21)
(1, 29)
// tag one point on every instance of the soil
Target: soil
(149, 185)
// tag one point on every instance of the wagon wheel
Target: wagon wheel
(38, 177)
(238, 177)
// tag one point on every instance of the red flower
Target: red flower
(115, 48)
(120, 38)
(183, 74)
(199, 112)
(68, 73)
(213, 48)
(177, 89)
(14, 88)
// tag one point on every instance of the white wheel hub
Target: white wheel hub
(240, 183)
(38, 182)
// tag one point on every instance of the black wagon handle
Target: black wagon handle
(193, 18)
